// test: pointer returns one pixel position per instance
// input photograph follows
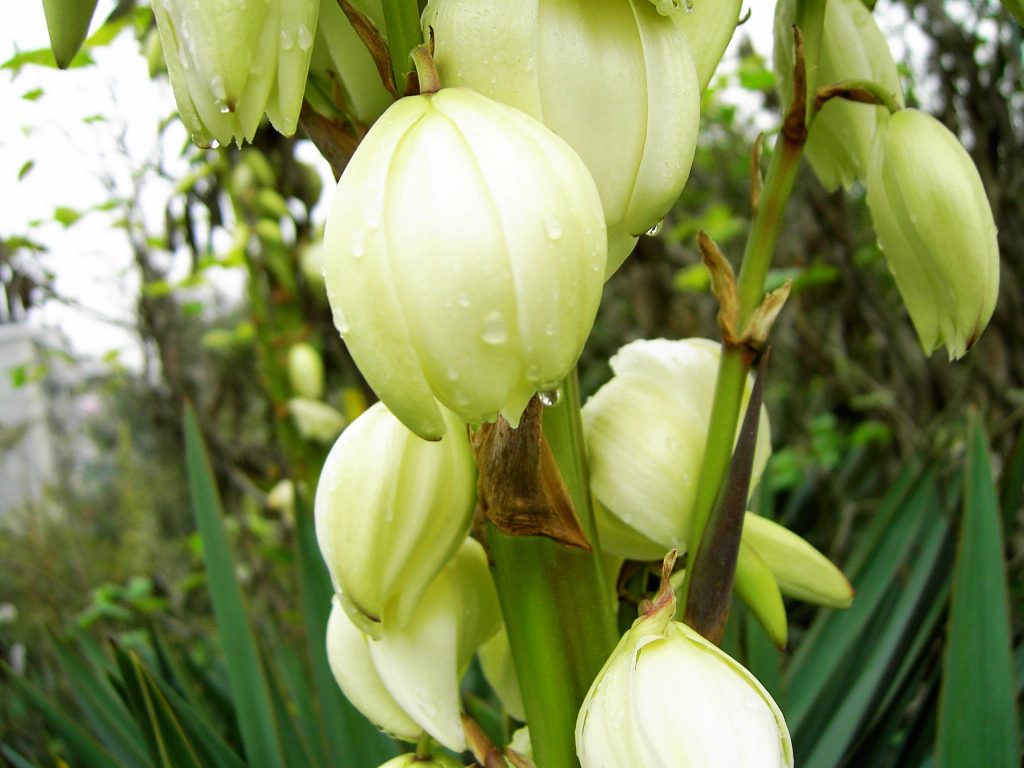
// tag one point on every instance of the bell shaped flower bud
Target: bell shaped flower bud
(708, 26)
(667, 696)
(348, 653)
(341, 62)
(391, 509)
(230, 63)
(851, 48)
(645, 432)
(315, 420)
(465, 254)
(935, 228)
(305, 371)
(412, 761)
(614, 78)
(422, 662)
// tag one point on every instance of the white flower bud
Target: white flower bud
(852, 47)
(390, 510)
(281, 497)
(935, 227)
(305, 371)
(315, 420)
(348, 653)
(229, 63)
(645, 432)
(465, 254)
(667, 696)
(412, 761)
(422, 662)
(612, 77)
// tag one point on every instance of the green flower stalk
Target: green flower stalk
(465, 256)
(229, 63)
(391, 509)
(936, 229)
(667, 696)
(613, 78)
(852, 48)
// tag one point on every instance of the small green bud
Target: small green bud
(613, 78)
(391, 509)
(305, 371)
(666, 696)
(315, 420)
(465, 254)
(645, 432)
(228, 64)
(67, 22)
(935, 227)
(852, 48)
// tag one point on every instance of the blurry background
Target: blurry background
(139, 272)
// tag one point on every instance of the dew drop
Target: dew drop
(287, 41)
(340, 321)
(359, 243)
(304, 37)
(549, 329)
(553, 226)
(453, 375)
(532, 373)
(463, 300)
(656, 229)
(495, 332)
(550, 397)
(461, 398)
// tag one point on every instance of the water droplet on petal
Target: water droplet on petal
(549, 398)
(553, 226)
(463, 300)
(340, 321)
(358, 243)
(287, 41)
(656, 229)
(495, 330)
(304, 37)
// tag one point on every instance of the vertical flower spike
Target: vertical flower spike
(229, 63)
(852, 47)
(465, 255)
(936, 229)
(667, 696)
(612, 77)
(422, 662)
(645, 432)
(391, 509)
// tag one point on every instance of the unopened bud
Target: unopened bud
(315, 420)
(391, 509)
(935, 228)
(305, 371)
(465, 254)
(412, 761)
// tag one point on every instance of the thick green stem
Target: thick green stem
(556, 602)
(735, 362)
(402, 21)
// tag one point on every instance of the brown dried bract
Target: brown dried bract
(519, 487)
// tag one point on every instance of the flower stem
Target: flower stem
(402, 22)
(556, 602)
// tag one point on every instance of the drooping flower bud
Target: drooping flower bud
(851, 47)
(67, 22)
(341, 62)
(412, 761)
(348, 653)
(465, 255)
(305, 371)
(315, 420)
(422, 662)
(645, 432)
(936, 229)
(612, 77)
(391, 509)
(229, 63)
(708, 25)
(667, 696)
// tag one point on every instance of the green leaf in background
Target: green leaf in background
(977, 709)
(245, 673)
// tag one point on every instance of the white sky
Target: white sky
(92, 263)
